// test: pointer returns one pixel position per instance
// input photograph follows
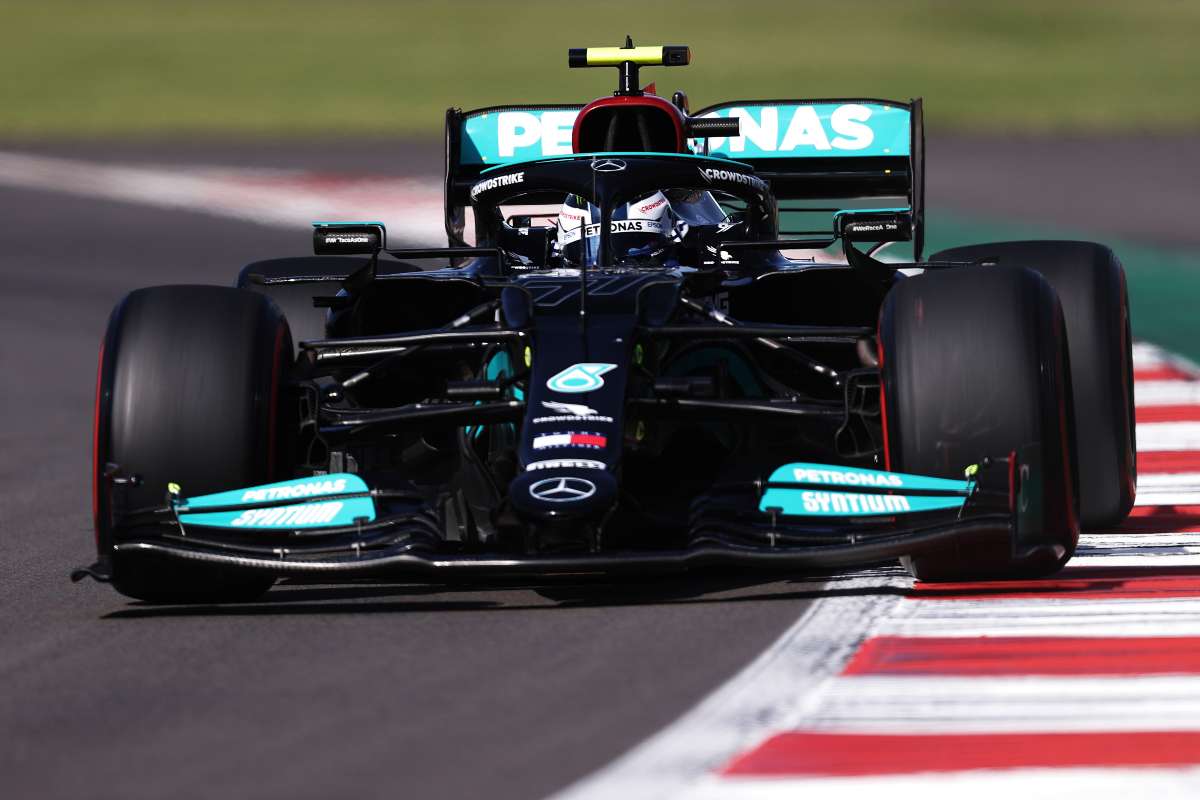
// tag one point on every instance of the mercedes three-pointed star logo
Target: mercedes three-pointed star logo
(562, 490)
(608, 165)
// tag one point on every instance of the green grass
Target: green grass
(265, 67)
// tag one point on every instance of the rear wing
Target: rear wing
(852, 152)
(865, 150)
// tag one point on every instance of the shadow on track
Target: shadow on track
(288, 599)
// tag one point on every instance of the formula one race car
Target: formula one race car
(638, 380)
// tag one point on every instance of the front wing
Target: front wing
(794, 526)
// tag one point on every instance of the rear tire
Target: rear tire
(975, 365)
(189, 392)
(1090, 283)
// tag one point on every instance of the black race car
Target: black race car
(639, 381)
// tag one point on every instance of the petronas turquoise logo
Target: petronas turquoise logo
(580, 378)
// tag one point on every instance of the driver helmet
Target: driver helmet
(643, 232)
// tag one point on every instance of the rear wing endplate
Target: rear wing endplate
(498, 135)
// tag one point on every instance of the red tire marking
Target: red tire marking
(1026, 655)
(847, 754)
(96, 513)
(883, 416)
(272, 412)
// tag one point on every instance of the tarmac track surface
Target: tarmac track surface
(364, 690)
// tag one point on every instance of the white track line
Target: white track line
(1168, 488)
(1045, 616)
(1166, 393)
(1139, 550)
(1008, 704)
(1160, 436)
(1173, 481)
(1150, 356)
(1136, 542)
(411, 208)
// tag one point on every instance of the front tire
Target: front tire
(975, 365)
(189, 392)
(1090, 283)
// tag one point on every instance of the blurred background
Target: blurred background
(1067, 118)
(1074, 118)
(288, 68)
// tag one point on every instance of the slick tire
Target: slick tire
(975, 364)
(293, 283)
(1090, 283)
(189, 392)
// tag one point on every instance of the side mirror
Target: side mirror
(348, 238)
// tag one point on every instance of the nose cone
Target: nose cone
(563, 493)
